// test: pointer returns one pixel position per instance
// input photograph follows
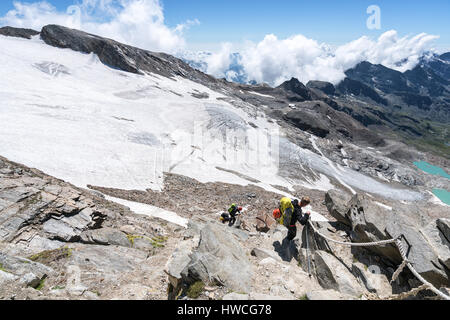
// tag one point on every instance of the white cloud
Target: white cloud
(218, 63)
(135, 22)
(274, 60)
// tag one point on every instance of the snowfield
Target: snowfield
(74, 118)
(71, 116)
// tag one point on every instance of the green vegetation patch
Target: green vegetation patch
(48, 256)
(41, 285)
(195, 289)
(156, 242)
(3, 268)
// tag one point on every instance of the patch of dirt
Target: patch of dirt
(189, 197)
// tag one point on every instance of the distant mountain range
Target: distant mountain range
(414, 104)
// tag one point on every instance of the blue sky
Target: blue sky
(333, 22)
(327, 21)
(276, 40)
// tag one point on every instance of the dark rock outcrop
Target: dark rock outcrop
(18, 32)
(299, 89)
(427, 247)
(120, 56)
(326, 87)
(349, 86)
(308, 121)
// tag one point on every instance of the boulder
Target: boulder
(444, 226)
(106, 262)
(177, 267)
(336, 202)
(369, 221)
(105, 236)
(23, 267)
(426, 246)
(264, 222)
(264, 253)
(420, 252)
(211, 256)
(268, 261)
(375, 282)
(332, 274)
(7, 277)
(70, 228)
(59, 230)
(217, 258)
(30, 280)
(438, 241)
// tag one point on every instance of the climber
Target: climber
(290, 212)
(233, 211)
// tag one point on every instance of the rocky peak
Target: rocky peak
(121, 56)
(445, 56)
(325, 87)
(357, 88)
(297, 88)
(378, 76)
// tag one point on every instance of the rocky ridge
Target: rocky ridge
(71, 243)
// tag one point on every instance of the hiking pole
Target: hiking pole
(307, 250)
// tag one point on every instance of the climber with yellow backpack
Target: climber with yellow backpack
(290, 212)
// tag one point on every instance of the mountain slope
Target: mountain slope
(97, 112)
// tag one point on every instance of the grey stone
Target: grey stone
(7, 277)
(444, 227)
(105, 236)
(374, 282)
(336, 202)
(60, 230)
(420, 252)
(21, 266)
(107, 262)
(178, 263)
(213, 261)
(206, 258)
(332, 274)
(264, 253)
(30, 280)
(438, 241)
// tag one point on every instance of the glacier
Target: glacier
(69, 115)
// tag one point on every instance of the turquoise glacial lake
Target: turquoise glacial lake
(429, 168)
(442, 194)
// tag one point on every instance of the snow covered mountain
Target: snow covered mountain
(96, 112)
